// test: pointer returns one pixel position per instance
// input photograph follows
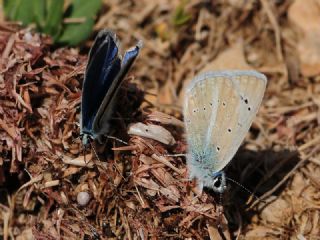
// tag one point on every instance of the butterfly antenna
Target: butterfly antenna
(175, 155)
(243, 187)
(117, 139)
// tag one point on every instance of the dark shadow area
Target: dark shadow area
(125, 111)
(129, 98)
(10, 182)
(259, 172)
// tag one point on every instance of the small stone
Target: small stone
(83, 198)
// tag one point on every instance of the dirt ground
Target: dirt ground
(136, 191)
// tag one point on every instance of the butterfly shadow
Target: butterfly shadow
(265, 173)
(129, 100)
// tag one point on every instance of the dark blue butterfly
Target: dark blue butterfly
(103, 77)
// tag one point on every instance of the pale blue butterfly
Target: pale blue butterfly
(219, 108)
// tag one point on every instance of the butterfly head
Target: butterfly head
(218, 182)
(87, 138)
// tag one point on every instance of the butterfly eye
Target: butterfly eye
(217, 181)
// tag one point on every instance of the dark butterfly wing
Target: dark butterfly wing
(101, 125)
(103, 67)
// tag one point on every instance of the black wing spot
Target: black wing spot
(249, 108)
(210, 104)
(229, 129)
(204, 108)
(218, 149)
(224, 104)
(246, 101)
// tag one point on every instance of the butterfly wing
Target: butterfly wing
(103, 66)
(219, 109)
(101, 125)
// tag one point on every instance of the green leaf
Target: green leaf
(10, 8)
(181, 16)
(75, 33)
(39, 12)
(48, 16)
(85, 8)
(54, 18)
(19, 10)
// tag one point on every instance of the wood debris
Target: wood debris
(141, 190)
